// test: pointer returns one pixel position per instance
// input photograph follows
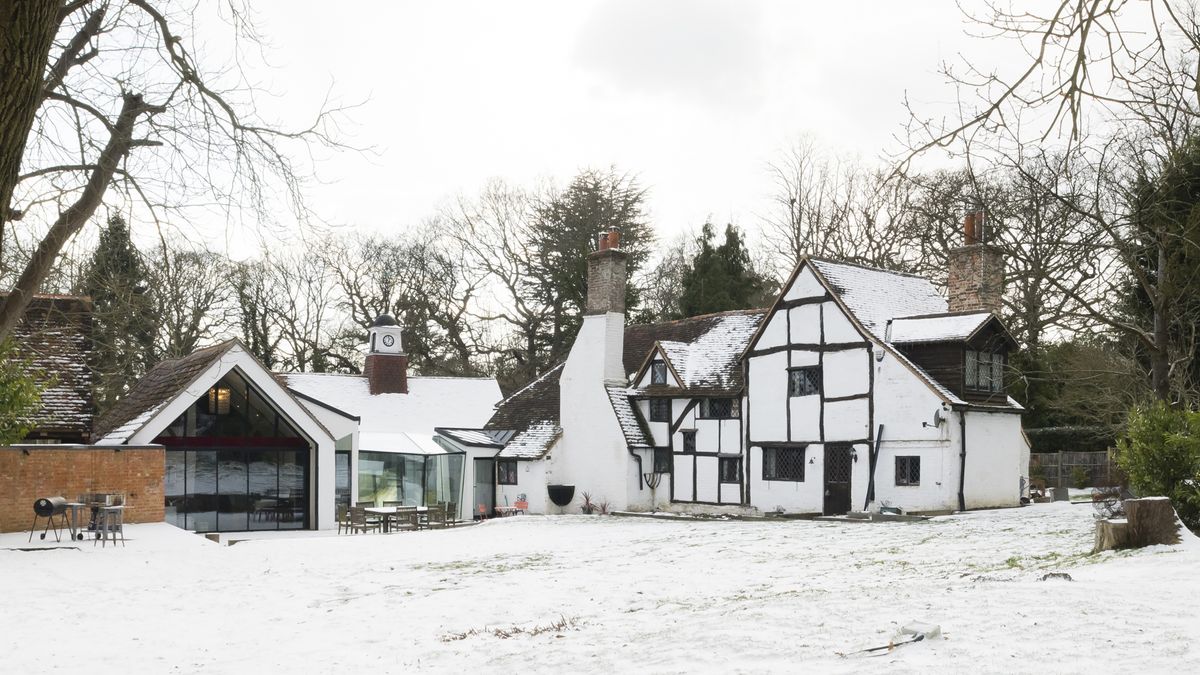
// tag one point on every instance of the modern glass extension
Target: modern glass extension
(409, 479)
(233, 463)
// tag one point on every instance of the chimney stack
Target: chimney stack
(606, 275)
(386, 368)
(976, 269)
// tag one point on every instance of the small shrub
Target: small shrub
(1080, 478)
(589, 507)
(1160, 453)
(603, 507)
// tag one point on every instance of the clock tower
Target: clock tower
(387, 364)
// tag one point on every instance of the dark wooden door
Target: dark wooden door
(837, 478)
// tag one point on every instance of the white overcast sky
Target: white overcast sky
(694, 97)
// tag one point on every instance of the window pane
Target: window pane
(662, 460)
(202, 490)
(342, 478)
(972, 374)
(233, 505)
(266, 506)
(174, 488)
(293, 489)
(689, 441)
(997, 372)
(658, 373)
(783, 464)
(731, 469)
(804, 381)
(660, 410)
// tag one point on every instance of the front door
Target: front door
(485, 488)
(837, 478)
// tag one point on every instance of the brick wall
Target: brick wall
(30, 472)
(606, 281)
(976, 278)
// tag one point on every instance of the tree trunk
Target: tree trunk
(1160, 355)
(76, 215)
(27, 29)
(1151, 521)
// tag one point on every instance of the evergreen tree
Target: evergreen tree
(721, 278)
(123, 317)
(564, 231)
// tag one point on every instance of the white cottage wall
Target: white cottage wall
(531, 482)
(805, 496)
(994, 450)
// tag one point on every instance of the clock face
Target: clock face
(388, 340)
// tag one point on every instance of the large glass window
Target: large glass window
(341, 468)
(237, 489)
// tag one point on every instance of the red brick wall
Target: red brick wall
(29, 473)
(387, 373)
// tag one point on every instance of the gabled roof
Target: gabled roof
(165, 381)
(704, 351)
(55, 335)
(949, 327)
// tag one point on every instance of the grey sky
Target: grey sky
(692, 96)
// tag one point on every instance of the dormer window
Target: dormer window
(658, 372)
(984, 371)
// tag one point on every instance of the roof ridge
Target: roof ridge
(861, 266)
(941, 315)
(535, 380)
(728, 312)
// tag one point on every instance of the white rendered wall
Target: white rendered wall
(788, 496)
(592, 453)
(805, 286)
(995, 448)
(340, 426)
(531, 481)
(768, 399)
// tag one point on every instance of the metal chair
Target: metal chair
(343, 518)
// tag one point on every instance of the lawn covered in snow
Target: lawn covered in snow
(635, 594)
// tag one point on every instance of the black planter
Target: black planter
(561, 495)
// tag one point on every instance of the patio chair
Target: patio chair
(406, 519)
(451, 514)
(360, 523)
(343, 518)
(437, 517)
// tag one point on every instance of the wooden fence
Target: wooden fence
(1059, 469)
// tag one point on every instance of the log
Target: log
(1152, 521)
(1111, 534)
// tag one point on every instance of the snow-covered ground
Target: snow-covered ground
(636, 594)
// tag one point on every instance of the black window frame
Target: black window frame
(905, 466)
(506, 472)
(660, 409)
(811, 378)
(722, 470)
(705, 408)
(689, 438)
(658, 372)
(662, 460)
(770, 468)
(984, 383)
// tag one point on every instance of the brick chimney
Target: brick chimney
(387, 364)
(976, 276)
(606, 275)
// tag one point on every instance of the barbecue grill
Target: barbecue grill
(50, 508)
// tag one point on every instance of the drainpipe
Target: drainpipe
(962, 458)
(639, 463)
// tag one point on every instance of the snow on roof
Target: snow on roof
(711, 360)
(938, 328)
(631, 422)
(430, 401)
(399, 442)
(121, 434)
(54, 335)
(533, 442)
(874, 296)
(478, 437)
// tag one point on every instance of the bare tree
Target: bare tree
(104, 101)
(193, 297)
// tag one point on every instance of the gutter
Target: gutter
(641, 480)
(962, 458)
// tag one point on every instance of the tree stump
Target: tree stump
(1112, 533)
(1152, 521)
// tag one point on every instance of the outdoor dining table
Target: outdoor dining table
(73, 523)
(388, 513)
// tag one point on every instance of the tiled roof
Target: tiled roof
(875, 296)
(157, 388)
(533, 442)
(533, 403)
(632, 424)
(704, 350)
(56, 336)
(937, 327)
